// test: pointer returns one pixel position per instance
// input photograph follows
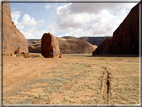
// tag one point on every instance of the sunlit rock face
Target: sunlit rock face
(50, 46)
(72, 45)
(12, 37)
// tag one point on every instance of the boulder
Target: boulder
(50, 46)
(125, 38)
(24, 54)
(17, 51)
(12, 37)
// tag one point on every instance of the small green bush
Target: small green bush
(10, 54)
(17, 55)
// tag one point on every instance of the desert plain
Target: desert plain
(72, 79)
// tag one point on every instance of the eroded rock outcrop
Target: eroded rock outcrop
(67, 45)
(12, 37)
(50, 46)
(72, 45)
(125, 38)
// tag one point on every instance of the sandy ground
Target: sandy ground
(73, 79)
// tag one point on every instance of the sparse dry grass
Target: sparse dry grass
(75, 79)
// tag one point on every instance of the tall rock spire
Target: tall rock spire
(12, 37)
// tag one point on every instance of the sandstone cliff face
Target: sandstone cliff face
(104, 47)
(12, 37)
(125, 38)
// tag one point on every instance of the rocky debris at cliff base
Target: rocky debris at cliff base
(22, 54)
(17, 51)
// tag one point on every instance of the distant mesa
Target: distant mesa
(12, 37)
(91, 40)
(67, 45)
(50, 46)
(68, 37)
(94, 40)
(125, 38)
(72, 45)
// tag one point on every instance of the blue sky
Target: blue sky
(68, 19)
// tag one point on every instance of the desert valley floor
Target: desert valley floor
(73, 79)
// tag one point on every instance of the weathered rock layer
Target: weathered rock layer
(12, 37)
(125, 38)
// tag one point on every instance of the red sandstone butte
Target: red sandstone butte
(125, 38)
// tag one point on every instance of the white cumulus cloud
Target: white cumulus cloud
(28, 21)
(34, 33)
(98, 19)
(33, 25)
(15, 15)
(47, 6)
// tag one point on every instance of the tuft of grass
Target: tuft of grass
(17, 55)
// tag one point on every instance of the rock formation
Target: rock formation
(104, 47)
(50, 46)
(73, 45)
(12, 37)
(17, 51)
(68, 45)
(125, 38)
